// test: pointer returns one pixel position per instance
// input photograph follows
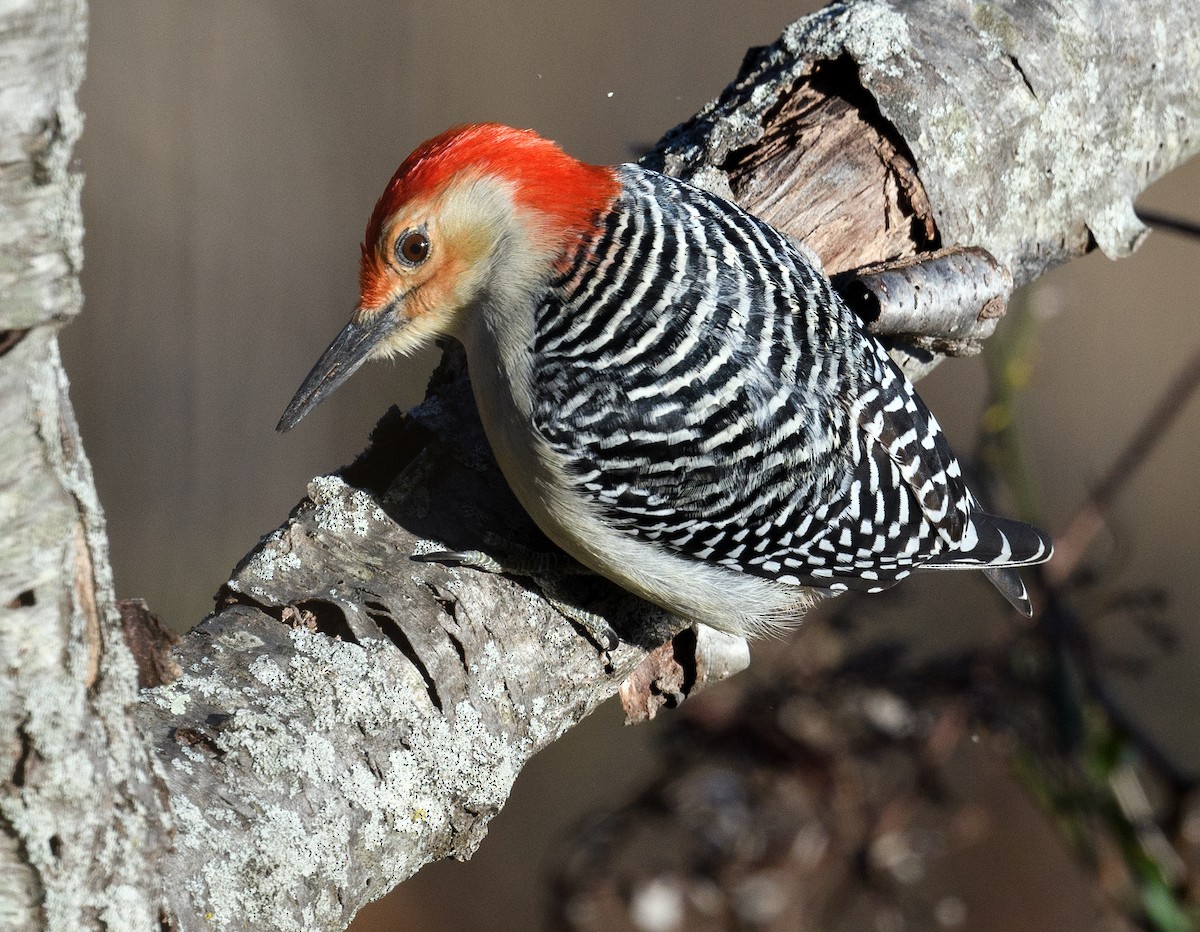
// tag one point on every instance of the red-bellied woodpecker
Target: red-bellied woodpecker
(675, 393)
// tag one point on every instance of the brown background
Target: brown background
(233, 152)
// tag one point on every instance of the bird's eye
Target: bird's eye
(412, 248)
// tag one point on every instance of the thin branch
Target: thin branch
(1088, 520)
(1161, 221)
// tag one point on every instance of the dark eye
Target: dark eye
(412, 247)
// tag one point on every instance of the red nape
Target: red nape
(545, 178)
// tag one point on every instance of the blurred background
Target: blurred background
(232, 154)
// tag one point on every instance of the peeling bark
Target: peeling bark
(1031, 127)
(349, 715)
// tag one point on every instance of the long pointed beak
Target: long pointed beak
(345, 354)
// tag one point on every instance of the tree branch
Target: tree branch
(82, 823)
(349, 715)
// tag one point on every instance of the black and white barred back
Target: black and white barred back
(714, 395)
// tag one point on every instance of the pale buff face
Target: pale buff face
(478, 240)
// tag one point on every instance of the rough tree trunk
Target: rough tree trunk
(348, 715)
(83, 820)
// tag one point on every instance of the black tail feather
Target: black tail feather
(991, 540)
(1010, 585)
(996, 546)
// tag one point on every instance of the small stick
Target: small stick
(952, 297)
(1070, 545)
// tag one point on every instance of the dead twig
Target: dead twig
(1088, 521)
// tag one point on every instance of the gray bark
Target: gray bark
(349, 715)
(83, 824)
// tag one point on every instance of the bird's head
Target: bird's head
(479, 212)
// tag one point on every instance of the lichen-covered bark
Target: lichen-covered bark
(349, 715)
(381, 725)
(1031, 126)
(82, 824)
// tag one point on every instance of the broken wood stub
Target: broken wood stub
(947, 301)
(697, 657)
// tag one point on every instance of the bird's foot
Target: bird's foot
(543, 568)
(474, 559)
(595, 626)
(518, 560)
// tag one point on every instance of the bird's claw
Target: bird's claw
(594, 626)
(473, 559)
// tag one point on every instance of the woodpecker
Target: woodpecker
(673, 390)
